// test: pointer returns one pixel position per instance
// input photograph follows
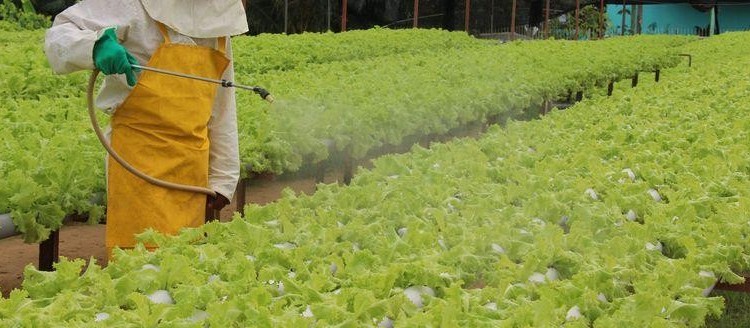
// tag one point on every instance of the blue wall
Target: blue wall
(681, 18)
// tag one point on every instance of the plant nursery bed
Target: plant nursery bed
(81, 240)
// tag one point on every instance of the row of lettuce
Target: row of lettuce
(361, 105)
(361, 90)
(623, 211)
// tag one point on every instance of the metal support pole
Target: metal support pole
(49, 252)
(416, 13)
(328, 15)
(656, 75)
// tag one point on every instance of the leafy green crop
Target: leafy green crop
(268, 53)
(51, 165)
(620, 211)
(13, 18)
(361, 90)
(367, 103)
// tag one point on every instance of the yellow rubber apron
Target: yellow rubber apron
(162, 129)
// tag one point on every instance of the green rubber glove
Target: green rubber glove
(111, 57)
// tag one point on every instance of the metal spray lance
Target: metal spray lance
(161, 183)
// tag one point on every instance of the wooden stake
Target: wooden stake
(242, 196)
(416, 13)
(343, 16)
(466, 18)
(49, 251)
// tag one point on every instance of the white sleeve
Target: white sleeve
(69, 43)
(224, 158)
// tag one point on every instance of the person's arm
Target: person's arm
(69, 43)
(224, 160)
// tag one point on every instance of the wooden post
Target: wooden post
(211, 215)
(242, 196)
(635, 80)
(546, 19)
(343, 16)
(348, 166)
(286, 16)
(416, 13)
(513, 21)
(610, 88)
(639, 19)
(656, 75)
(449, 13)
(49, 251)
(322, 166)
(466, 16)
(492, 16)
(320, 172)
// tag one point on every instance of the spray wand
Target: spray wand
(158, 182)
(224, 83)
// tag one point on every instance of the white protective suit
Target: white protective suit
(70, 42)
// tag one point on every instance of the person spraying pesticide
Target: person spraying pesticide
(175, 129)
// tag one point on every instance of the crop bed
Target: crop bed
(372, 91)
(622, 211)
